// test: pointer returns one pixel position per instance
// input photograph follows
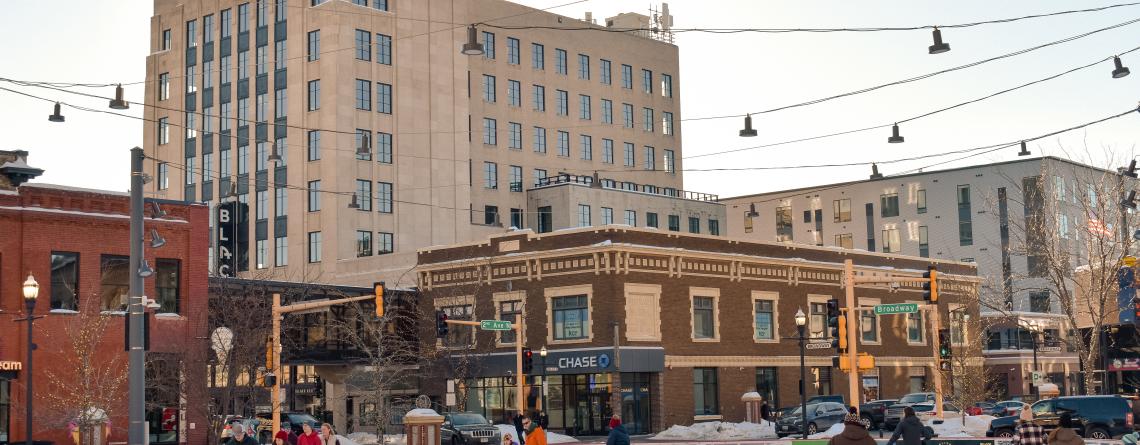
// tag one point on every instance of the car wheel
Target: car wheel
(870, 422)
(1097, 433)
(1004, 432)
(812, 429)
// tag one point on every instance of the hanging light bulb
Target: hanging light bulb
(939, 46)
(875, 171)
(1024, 151)
(353, 204)
(895, 138)
(274, 155)
(156, 240)
(56, 116)
(1120, 70)
(118, 103)
(748, 132)
(472, 47)
(363, 149)
(1130, 201)
(145, 270)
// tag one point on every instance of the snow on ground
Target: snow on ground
(719, 431)
(975, 426)
(550, 437)
(835, 430)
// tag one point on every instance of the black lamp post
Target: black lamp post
(542, 353)
(1033, 328)
(801, 320)
(31, 291)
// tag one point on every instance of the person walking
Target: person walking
(765, 410)
(535, 435)
(519, 432)
(1065, 435)
(309, 435)
(1027, 432)
(285, 437)
(618, 434)
(509, 439)
(912, 431)
(854, 432)
(239, 436)
(328, 436)
(543, 419)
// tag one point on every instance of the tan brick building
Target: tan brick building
(700, 320)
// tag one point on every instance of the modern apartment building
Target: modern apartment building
(388, 137)
(999, 216)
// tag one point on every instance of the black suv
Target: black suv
(468, 429)
(1094, 417)
(875, 411)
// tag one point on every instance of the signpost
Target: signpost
(1049, 349)
(495, 325)
(814, 346)
(898, 308)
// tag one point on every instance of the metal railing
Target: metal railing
(566, 178)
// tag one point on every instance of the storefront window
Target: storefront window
(705, 392)
(570, 317)
(767, 384)
(703, 319)
(822, 380)
(5, 408)
(162, 396)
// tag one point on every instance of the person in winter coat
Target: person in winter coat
(912, 431)
(542, 419)
(518, 422)
(328, 436)
(1065, 435)
(618, 434)
(309, 436)
(765, 410)
(239, 436)
(534, 433)
(509, 439)
(1027, 432)
(854, 432)
(285, 437)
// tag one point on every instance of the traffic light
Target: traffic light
(833, 321)
(269, 380)
(842, 334)
(269, 350)
(378, 288)
(944, 349)
(527, 361)
(440, 324)
(930, 288)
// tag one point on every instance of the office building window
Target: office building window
(65, 280)
(627, 77)
(165, 40)
(608, 151)
(583, 67)
(651, 219)
(627, 115)
(363, 95)
(383, 147)
(512, 51)
(163, 86)
(314, 247)
(191, 79)
(704, 317)
(280, 202)
(224, 70)
(920, 198)
(262, 198)
(243, 159)
(891, 241)
(224, 22)
(705, 392)
(628, 151)
(965, 217)
(514, 93)
(1039, 302)
(563, 144)
(167, 284)
(714, 227)
(764, 319)
(363, 243)
(262, 60)
(243, 17)
(667, 123)
(313, 49)
(647, 81)
(631, 218)
(281, 251)
(666, 85)
(562, 105)
(694, 224)
(674, 223)
(914, 327)
(314, 145)
(163, 130)
(364, 195)
(385, 243)
(384, 197)
(670, 161)
(459, 335)
(514, 135)
(537, 56)
(491, 215)
(262, 254)
(191, 171)
(490, 175)
(889, 205)
(488, 45)
(279, 52)
(844, 240)
(650, 158)
(607, 216)
(841, 210)
(539, 98)
(490, 131)
(280, 107)
(783, 223)
(539, 176)
(383, 49)
(539, 140)
(647, 114)
(314, 188)
(923, 242)
(587, 145)
(560, 61)
(584, 215)
(314, 94)
(571, 317)
(384, 98)
(514, 177)
(363, 45)
(584, 107)
(607, 111)
(509, 311)
(604, 71)
(191, 33)
(243, 65)
(488, 88)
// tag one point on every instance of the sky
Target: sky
(105, 41)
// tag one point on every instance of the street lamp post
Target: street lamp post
(31, 291)
(1033, 328)
(542, 353)
(801, 321)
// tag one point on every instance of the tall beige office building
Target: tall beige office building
(374, 98)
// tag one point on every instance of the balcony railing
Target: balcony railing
(566, 178)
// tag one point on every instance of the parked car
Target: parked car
(925, 411)
(828, 398)
(895, 412)
(985, 408)
(1010, 407)
(1094, 417)
(875, 411)
(820, 417)
(467, 429)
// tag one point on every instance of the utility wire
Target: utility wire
(920, 116)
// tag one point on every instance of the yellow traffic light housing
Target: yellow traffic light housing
(930, 288)
(378, 288)
(269, 351)
(842, 332)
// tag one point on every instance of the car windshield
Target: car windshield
(301, 419)
(811, 409)
(913, 398)
(468, 419)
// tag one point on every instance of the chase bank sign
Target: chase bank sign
(584, 362)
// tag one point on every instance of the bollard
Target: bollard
(752, 406)
(422, 426)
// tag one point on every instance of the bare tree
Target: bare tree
(968, 385)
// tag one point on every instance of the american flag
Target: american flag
(1097, 227)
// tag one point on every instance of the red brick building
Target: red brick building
(700, 321)
(75, 243)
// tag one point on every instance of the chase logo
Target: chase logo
(603, 360)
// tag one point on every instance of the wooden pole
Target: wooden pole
(934, 327)
(852, 346)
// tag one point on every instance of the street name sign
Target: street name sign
(899, 308)
(494, 325)
(818, 345)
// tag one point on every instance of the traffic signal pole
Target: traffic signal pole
(520, 400)
(852, 345)
(935, 327)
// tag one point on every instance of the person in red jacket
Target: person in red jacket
(308, 436)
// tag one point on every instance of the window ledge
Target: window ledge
(706, 340)
(569, 342)
(766, 341)
(707, 418)
(63, 312)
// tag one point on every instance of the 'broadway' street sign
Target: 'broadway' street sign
(899, 308)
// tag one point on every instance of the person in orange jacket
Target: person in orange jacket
(534, 433)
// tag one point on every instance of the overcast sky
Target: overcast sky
(103, 41)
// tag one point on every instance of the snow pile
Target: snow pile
(550, 437)
(363, 438)
(720, 431)
(835, 430)
(346, 441)
(975, 426)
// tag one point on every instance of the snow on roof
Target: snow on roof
(40, 185)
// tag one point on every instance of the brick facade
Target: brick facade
(36, 220)
(607, 261)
